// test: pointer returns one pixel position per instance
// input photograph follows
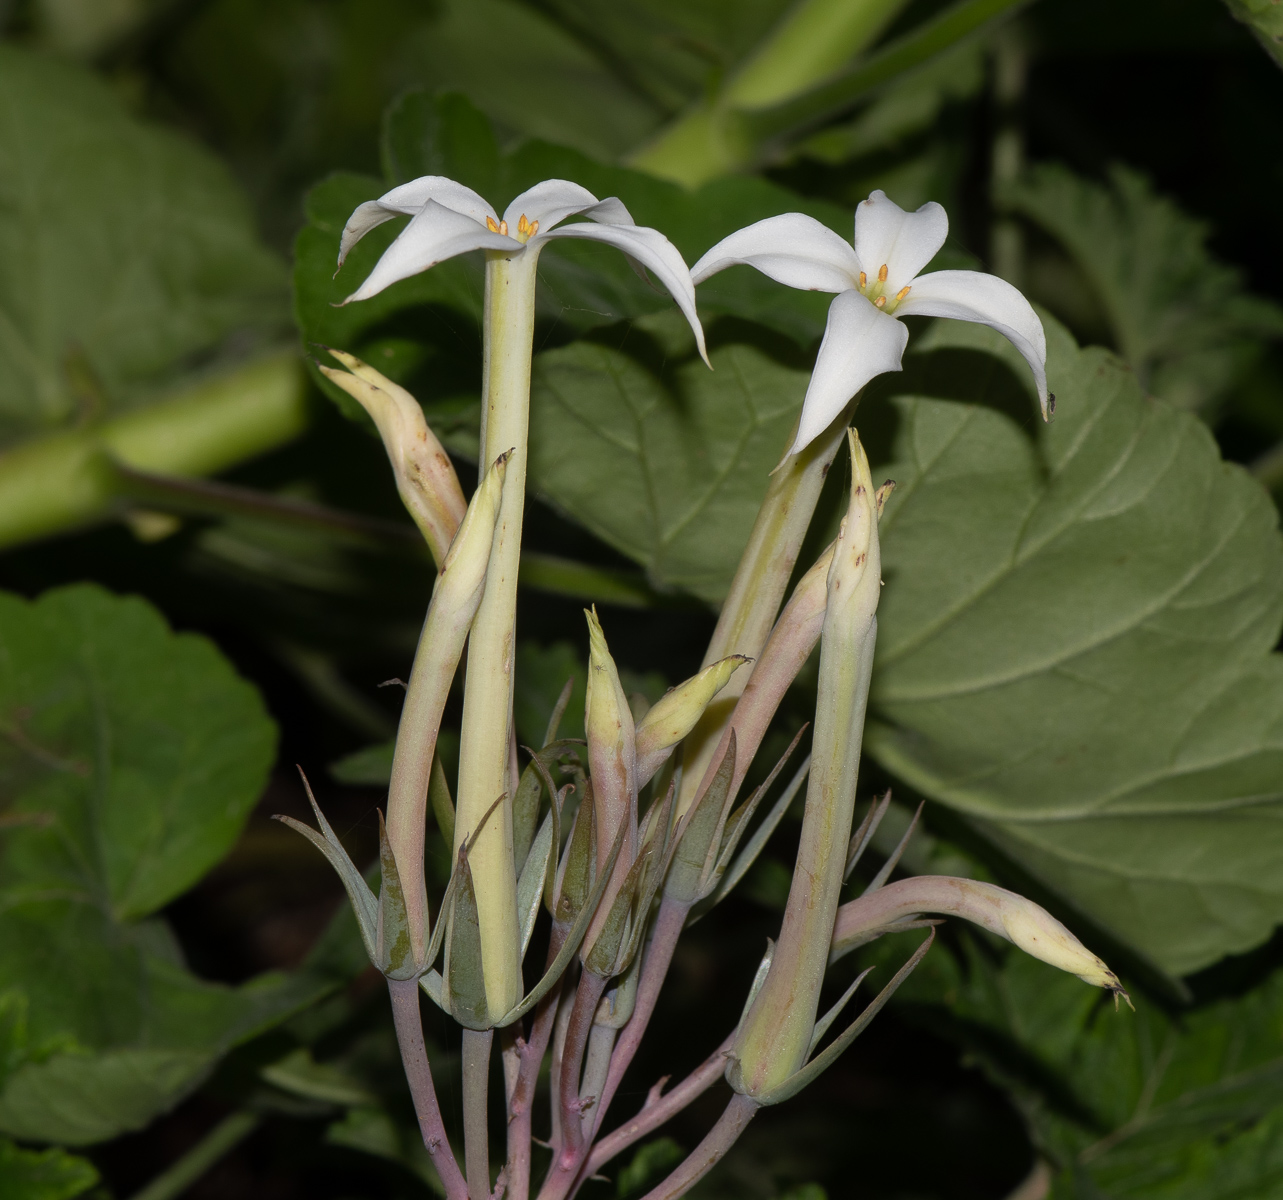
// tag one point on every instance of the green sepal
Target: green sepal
(529, 797)
(358, 891)
(570, 947)
(442, 804)
(603, 958)
(616, 1007)
(829, 1055)
(534, 875)
(660, 849)
(464, 977)
(737, 825)
(525, 814)
(686, 876)
(578, 864)
(395, 955)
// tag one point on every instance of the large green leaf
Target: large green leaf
(1177, 314)
(1144, 1105)
(129, 760)
(125, 250)
(1075, 646)
(667, 466)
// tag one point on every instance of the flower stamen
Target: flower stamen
(492, 225)
(904, 291)
(880, 302)
(864, 281)
(882, 273)
(526, 229)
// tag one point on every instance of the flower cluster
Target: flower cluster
(569, 834)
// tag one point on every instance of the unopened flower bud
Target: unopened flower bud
(675, 715)
(425, 477)
(1007, 914)
(775, 1036)
(612, 764)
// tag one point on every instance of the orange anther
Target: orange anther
(880, 302)
(503, 228)
(900, 295)
(864, 281)
(882, 273)
(490, 225)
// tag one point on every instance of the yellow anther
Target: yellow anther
(864, 281)
(880, 302)
(882, 273)
(490, 225)
(532, 229)
(503, 228)
(900, 295)
(523, 224)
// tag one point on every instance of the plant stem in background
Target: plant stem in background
(1010, 68)
(221, 1140)
(63, 480)
(484, 754)
(812, 42)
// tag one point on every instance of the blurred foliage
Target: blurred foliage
(128, 252)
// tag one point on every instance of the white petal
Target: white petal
(406, 200)
(653, 251)
(554, 200)
(792, 249)
(904, 241)
(859, 343)
(987, 300)
(433, 235)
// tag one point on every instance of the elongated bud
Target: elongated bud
(612, 763)
(775, 1037)
(674, 716)
(1007, 914)
(455, 599)
(425, 477)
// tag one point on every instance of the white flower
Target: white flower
(875, 282)
(448, 219)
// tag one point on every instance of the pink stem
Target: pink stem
(659, 1107)
(414, 1057)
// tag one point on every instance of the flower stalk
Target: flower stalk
(484, 753)
(775, 1036)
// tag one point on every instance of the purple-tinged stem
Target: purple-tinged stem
(476, 1094)
(669, 922)
(570, 1153)
(414, 1058)
(733, 1121)
(522, 1101)
(660, 1106)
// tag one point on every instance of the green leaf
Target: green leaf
(131, 756)
(1142, 1106)
(126, 249)
(1075, 645)
(1265, 19)
(42, 1174)
(681, 456)
(129, 759)
(1177, 314)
